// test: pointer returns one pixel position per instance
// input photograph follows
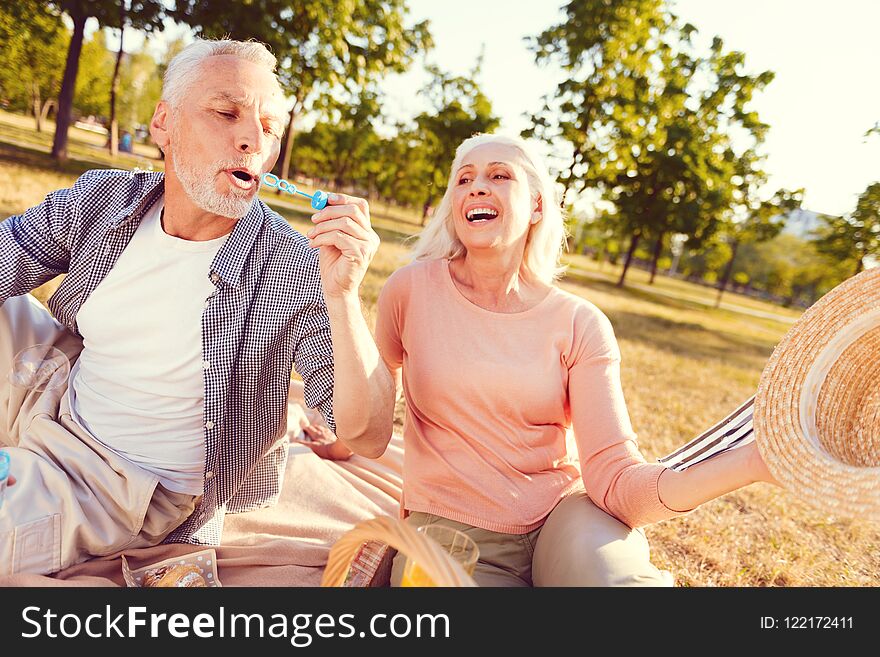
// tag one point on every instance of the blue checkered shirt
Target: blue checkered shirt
(265, 316)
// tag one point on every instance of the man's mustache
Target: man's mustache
(251, 165)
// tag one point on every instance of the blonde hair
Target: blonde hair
(183, 70)
(546, 239)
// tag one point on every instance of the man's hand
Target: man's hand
(347, 242)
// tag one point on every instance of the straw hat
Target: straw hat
(817, 410)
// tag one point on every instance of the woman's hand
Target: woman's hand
(756, 465)
(347, 242)
(318, 437)
(322, 442)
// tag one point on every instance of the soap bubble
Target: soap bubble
(39, 367)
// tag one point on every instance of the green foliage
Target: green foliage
(409, 168)
(648, 119)
(459, 109)
(856, 237)
(404, 166)
(790, 268)
(140, 88)
(92, 95)
(33, 47)
(340, 147)
(705, 261)
(143, 14)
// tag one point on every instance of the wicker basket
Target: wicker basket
(431, 557)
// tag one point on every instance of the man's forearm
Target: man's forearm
(363, 390)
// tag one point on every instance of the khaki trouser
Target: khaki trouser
(74, 497)
(578, 545)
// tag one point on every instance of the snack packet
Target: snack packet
(204, 560)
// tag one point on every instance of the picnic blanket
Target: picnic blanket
(283, 545)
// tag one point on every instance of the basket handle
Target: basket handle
(433, 559)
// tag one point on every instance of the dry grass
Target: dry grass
(685, 366)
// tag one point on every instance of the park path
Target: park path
(785, 319)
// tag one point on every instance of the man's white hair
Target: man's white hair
(183, 70)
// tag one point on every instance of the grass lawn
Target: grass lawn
(685, 365)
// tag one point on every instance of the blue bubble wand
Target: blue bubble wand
(319, 198)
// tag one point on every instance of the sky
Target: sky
(824, 98)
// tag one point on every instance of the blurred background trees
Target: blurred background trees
(657, 151)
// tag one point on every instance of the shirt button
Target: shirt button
(209, 425)
(209, 474)
(205, 364)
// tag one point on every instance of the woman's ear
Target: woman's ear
(537, 210)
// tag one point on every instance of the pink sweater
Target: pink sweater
(490, 397)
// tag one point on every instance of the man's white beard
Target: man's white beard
(199, 186)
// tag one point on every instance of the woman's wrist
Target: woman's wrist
(716, 476)
(757, 467)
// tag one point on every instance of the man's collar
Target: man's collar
(149, 188)
(229, 262)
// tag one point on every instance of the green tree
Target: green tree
(337, 148)
(458, 110)
(648, 119)
(145, 16)
(791, 269)
(141, 85)
(594, 35)
(702, 263)
(404, 166)
(33, 43)
(321, 45)
(92, 95)
(760, 221)
(106, 12)
(856, 237)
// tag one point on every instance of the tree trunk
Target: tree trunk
(114, 86)
(44, 110)
(68, 84)
(287, 147)
(37, 104)
(570, 178)
(658, 247)
(425, 208)
(860, 265)
(727, 272)
(676, 259)
(634, 242)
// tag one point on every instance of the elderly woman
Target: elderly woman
(497, 364)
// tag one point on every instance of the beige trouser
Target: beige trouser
(578, 545)
(74, 497)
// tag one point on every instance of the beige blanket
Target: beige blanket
(285, 545)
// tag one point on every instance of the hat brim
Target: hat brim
(784, 428)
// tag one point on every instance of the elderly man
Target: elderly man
(186, 303)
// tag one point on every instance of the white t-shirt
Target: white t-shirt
(138, 386)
